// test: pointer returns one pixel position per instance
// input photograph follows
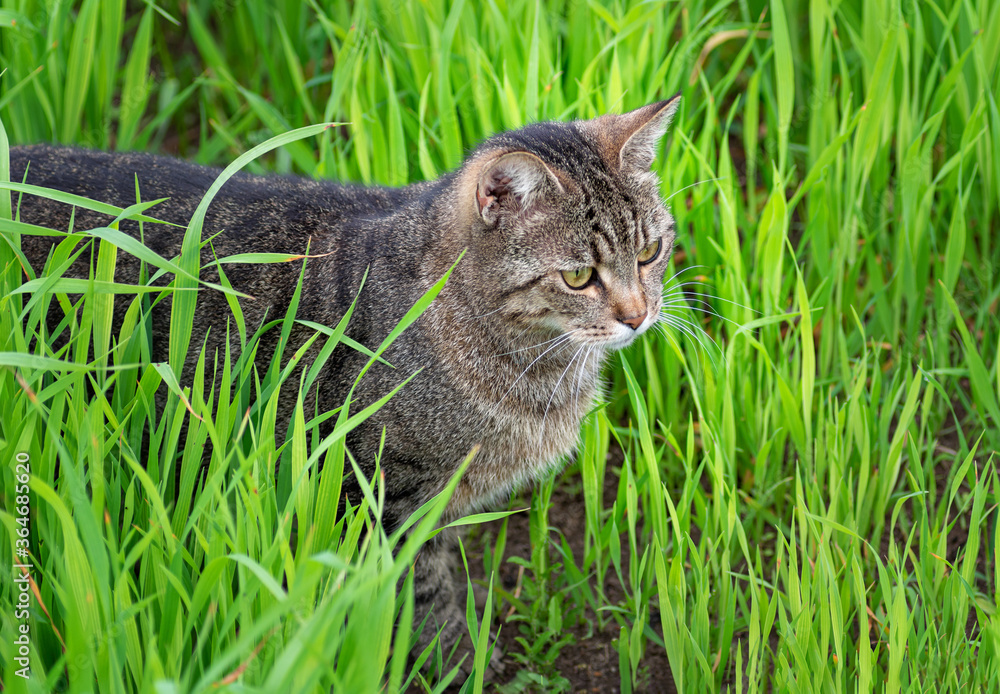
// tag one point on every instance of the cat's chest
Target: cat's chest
(518, 447)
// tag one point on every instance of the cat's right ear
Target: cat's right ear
(512, 182)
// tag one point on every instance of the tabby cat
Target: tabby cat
(566, 239)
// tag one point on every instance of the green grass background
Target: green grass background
(810, 506)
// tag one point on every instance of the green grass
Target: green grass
(809, 506)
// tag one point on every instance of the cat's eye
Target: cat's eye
(649, 253)
(578, 279)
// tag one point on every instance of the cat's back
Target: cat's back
(107, 176)
(124, 178)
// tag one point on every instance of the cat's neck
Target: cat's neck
(511, 368)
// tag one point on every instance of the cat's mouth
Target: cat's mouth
(623, 336)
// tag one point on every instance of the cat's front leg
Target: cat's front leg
(437, 598)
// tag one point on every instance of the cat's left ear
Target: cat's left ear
(513, 182)
(631, 139)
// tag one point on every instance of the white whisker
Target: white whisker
(710, 296)
(696, 333)
(684, 327)
(563, 340)
(525, 349)
(681, 288)
(682, 271)
(696, 183)
(667, 335)
(675, 288)
(581, 373)
(489, 313)
(673, 307)
(555, 388)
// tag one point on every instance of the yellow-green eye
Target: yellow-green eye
(577, 279)
(649, 253)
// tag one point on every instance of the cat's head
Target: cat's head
(569, 228)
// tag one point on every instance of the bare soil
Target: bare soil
(590, 661)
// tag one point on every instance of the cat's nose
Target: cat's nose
(634, 321)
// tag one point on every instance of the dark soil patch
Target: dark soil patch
(590, 661)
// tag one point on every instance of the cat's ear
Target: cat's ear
(514, 182)
(631, 139)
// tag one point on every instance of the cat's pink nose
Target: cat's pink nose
(634, 321)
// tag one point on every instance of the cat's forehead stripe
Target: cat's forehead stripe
(595, 252)
(600, 234)
(641, 230)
